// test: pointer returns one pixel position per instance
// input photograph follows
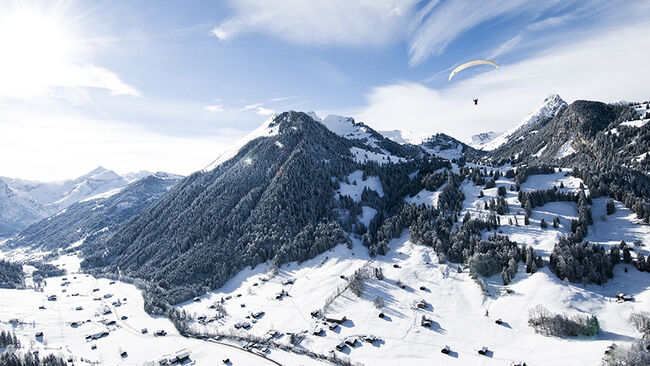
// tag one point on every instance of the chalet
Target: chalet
(97, 335)
(124, 354)
(51, 298)
(124, 317)
(74, 324)
(111, 283)
(425, 322)
(422, 304)
(39, 334)
(333, 326)
(160, 333)
(341, 346)
(202, 318)
(381, 315)
(272, 333)
(342, 277)
(42, 307)
(483, 351)
(336, 320)
(446, 350)
(621, 297)
(144, 331)
(226, 361)
(95, 289)
(180, 356)
(258, 314)
(352, 342)
(255, 284)
(315, 313)
(242, 305)
(395, 265)
(108, 296)
(499, 321)
(320, 332)
(197, 299)
(78, 308)
(290, 281)
(611, 348)
(108, 311)
(371, 339)
(93, 347)
(238, 295)
(422, 288)
(75, 294)
(110, 322)
(228, 297)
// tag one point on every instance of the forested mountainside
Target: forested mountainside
(274, 200)
(95, 217)
(607, 144)
(306, 186)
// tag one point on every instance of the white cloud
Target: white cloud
(264, 111)
(551, 22)
(506, 46)
(341, 22)
(216, 107)
(55, 144)
(609, 67)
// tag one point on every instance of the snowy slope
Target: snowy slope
(478, 141)
(63, 338)
(548, 109)
(25, 202)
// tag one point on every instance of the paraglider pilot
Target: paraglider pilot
(476, 101)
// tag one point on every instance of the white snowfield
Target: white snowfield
(357, 184)
(460, 315)
(65, 328)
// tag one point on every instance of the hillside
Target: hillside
(96, 216)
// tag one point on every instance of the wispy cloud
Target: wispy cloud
(551, 22)
(606, 67)
(506, 47)
(216, 107)
(341, 22)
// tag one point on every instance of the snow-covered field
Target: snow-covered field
(461, 316)
(81, 310)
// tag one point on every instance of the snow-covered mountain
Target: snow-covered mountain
(24, 202)
(478, 141)
(534, 120)
(95, 216)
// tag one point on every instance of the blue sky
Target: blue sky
(167, 85)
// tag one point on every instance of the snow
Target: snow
(266, 129)
(478, 141)
(540, 151)
(62, 339)
(450, 154)
(361, 156)
(565, 150)
(103, 195)
(426, 197)
(353, 190)
(405, 137)
(367, 214)
(549, 108)
(346, 127)
(457, 309)
(637, 123)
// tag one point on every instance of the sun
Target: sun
(35, 45)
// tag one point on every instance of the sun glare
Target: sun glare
(35, 47)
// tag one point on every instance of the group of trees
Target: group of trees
(549, 324)
(11, 274)
(583, 262)
(30, 359)
(8, 339)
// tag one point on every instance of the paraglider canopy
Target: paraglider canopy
(470, 64)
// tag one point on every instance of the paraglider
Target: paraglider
(470, 64)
